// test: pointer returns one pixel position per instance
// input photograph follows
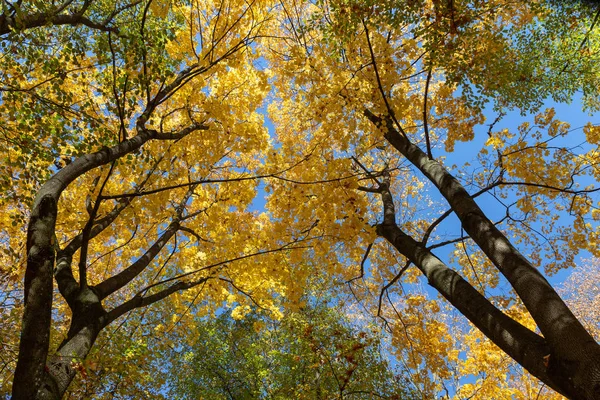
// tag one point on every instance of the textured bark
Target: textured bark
(524, 346)
(61, 367)
(116, 282)
(574, 360)
(35, 331)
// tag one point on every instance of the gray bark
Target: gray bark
(523, 345)
(574, 356)
(41, 249)
(87, 321)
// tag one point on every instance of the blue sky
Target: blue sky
(571, 113)
(467, 152)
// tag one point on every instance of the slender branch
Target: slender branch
(119, 10)
(369, 173)
(425, 123)
(182, 185)
(583, 41)
(194, 234)
(435, 223)
(464, 246)
(379, 84)
(145, 82)
(85, 234)
(118, 281)
(142, 301)
(274, 175)
(220, 263)
(64, 5)
(549, 187)
(248, 295)
(448, 212)
(120, 106)
(362, 264)
(368, 189)
(389, 284)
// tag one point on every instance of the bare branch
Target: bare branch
(425, 122)
(362, 264)
(116, 282)
(379, 84)
(85, 234)
(142, 301)
(390, 283)
(248, 295)
(285, 247)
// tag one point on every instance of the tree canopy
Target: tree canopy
(311, 353)
(177, 171)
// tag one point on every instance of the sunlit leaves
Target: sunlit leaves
(261, 171)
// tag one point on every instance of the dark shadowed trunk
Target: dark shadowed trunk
(41, 250)
(61, 367)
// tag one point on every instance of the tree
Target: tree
(136, 148)
(124, 121)
(311, 353)
(386, 85)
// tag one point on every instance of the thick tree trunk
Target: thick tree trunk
(41, 249)
(574, 358)
(62, 367)
(35, 330)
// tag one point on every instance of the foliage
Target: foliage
(582, 292)
(396, 96)
(311, 353)
(138, 154)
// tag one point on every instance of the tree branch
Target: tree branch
(141, 301)
(425, 123)
(553, 317)
(116, 282)
(523, 345)
(9, 23)
(362, 264)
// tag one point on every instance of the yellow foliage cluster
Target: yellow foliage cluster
(264, 163)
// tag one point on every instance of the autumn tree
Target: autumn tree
(136, 142)
(133, 143)
(388, 90)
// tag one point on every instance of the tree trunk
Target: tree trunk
(35, 331)
(573, 361)
(41, 249)
(61, 367)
